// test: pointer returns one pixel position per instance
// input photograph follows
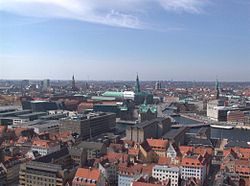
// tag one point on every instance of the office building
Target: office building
(90, 125)
(55, 169)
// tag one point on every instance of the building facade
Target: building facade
(163, 173)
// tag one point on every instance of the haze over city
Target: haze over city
(160, 40)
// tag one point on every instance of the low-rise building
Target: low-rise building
(45, 147)
(163, 173)
(129, 173)
(88, 177)
(94, 149)
(159, 146)
(194, 166)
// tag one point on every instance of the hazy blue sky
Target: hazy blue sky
(115, 39)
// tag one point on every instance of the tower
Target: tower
(73, 83)
(137, 85)
(217, 87)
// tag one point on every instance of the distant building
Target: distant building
(41, 106)
(140, 96)
(236, 117)
(45, 84)
(147, 112)
(217, 111)
(73, 86)
(217, 87)
(158, 85)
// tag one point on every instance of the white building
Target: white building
(127, 180)
(171, 153)
(45, 147)
(193, 166)
(109, 171)
(129, 95)
(163, 172)
(47, 127)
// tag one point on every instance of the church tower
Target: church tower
(217, 87)
(137, 85)
(73, 83)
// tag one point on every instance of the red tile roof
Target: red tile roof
(93, 174)
(144, 184)
(164, 160)
(158, 143)
(43, 143)
(133, 152)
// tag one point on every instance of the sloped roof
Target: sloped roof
(90, 173)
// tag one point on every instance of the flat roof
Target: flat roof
(14, 112)
(32, 114)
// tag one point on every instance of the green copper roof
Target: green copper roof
(112, 94)
(102, 98)
(124, 108)
(144, 108)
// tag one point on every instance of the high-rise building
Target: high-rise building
(158, 85)
(45, 84)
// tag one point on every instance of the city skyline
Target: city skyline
(161, 40)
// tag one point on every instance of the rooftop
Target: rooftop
(90, 173)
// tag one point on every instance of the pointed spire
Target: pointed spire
(217, 87)
(137, 85)
(73, 83)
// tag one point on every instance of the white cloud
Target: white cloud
(191, 6)
(121, 13)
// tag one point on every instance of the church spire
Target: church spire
(73, 83)
(137, 85)
(217, 87)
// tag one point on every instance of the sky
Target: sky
(193, 40)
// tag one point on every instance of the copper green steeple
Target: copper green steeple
(137, 85)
